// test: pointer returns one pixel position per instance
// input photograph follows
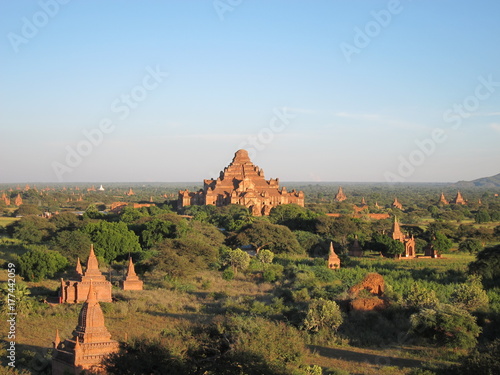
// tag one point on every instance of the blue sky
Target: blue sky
(316, 90)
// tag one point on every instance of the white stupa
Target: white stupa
(101, 188)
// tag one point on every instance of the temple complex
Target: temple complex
(397, 204)
(409, 242)
(442, 200)
(131, 281)
(130, 192)
(77, 289)
(333, 259)
(90, 344)
(458, 199)
(242, 183)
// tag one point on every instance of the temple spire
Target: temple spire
(79, 270)
(57, 339)
(91, 297)
(131, 269)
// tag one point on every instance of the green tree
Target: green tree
(112, 239)
(130, 214)
(482, 216)
(27, 209)
(420, 297)
(72, 244)
(482, 360)
(39, 263)
(487, 265)
(446, 325)
(322, 314)
(24, 302)
(156, 231)
(239, 260)
(294, 217)
(265, 256)
(470, 295)
(277, 238)
(32, 229)
(65, 221)
(441, 243)
(470, 245)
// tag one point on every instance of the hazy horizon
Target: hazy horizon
(326, 91)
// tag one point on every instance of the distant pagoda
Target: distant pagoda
(397, 204)
(408, 242)
(442, 200)
(458, 199)
(340, 197)
(333, 258)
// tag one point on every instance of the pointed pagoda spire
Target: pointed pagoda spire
(396, 230)
(131, 269)
(363, 201)
(132, 281)
(333, 259)
(57, 340)
(442, 199)
(78, 268)
(340, 195)
(91, 296)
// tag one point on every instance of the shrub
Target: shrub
(39, 263)
(446, 325)
(470, 296)
(322, 314)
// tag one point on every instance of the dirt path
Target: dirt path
(360, 361)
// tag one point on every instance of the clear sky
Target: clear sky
(315, 90)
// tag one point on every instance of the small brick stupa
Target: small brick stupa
(132, 281)
(91, 342)
(355, 250)
(333, 259)
(340, 197)
(77, 289)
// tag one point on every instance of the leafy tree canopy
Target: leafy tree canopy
(39, 263)
(262, 234)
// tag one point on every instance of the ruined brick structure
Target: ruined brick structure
(132, 281)
(242, 183)
(77, 289)
(333, 258)
(409, 242)
(90, 344)
(397, 204)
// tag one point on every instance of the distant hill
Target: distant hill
(488, 182)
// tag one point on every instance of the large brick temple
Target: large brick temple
(242, 183)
